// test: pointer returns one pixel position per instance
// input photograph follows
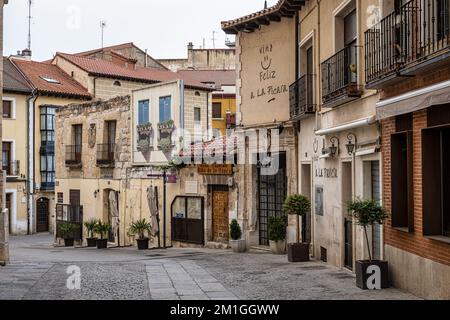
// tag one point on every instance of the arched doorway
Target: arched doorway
(42, 215)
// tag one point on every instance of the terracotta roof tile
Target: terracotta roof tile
(285, 8)
(105, 68)
(13, 80)
(36, 72)
(218, 77)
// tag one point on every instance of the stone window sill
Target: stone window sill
(439, 238)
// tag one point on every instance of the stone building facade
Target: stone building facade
(203, 59)
(93, 156)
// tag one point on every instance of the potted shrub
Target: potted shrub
(237, 244)
(90, 227)
(367, 213)
(277, 234)
(67, 230)
(298, 205)
(102, 229)
(139, 228)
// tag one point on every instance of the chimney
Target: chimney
(25, 54)
(190, 46)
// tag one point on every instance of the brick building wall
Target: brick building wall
(415, 242)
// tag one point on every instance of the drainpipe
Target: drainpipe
(207, 115)
(182, 104)
(31, 102)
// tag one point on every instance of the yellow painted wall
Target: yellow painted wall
(228, 105)
(15, 131)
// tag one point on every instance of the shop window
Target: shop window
(402, 180)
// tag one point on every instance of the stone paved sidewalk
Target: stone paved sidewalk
(184, 280)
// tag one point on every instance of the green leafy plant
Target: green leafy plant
(90, 227)
(139, 228)
(299, 205)
(277, 228)
(367, 213)
(66, 229)
(235, 230)
(102, 229)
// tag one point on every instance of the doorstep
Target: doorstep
(261, 248)
(217, 245)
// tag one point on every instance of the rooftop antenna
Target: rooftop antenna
(265, 4)
(29, 24)
(102, 26)
(214, 39)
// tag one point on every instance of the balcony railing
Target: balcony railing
(105, 154)
(12, 168)
(418, 30)
(339, 75)
(73, 155)
(301, 96)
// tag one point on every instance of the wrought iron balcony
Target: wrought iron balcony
(12, 168)
(106, 154)
(301, 96)
(340, 77)
(416, 32)
(73, 155)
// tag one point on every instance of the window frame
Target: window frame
(199, 120)
(165, 108)
(142, 116)
(214, 105)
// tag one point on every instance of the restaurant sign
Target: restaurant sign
(218, 169)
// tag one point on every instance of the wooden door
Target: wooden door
(43, 211)
(220, 218)
(74, 197)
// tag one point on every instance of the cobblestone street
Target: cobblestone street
(38, 271)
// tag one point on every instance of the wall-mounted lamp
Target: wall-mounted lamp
(334, 149)
(351, 145)
(96, 192)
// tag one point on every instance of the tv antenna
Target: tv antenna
(214, 39)
(30, 2)
(102, 27)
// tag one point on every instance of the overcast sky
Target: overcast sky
(164, 27)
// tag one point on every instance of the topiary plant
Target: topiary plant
(277, 228)
(235, 230)
(299, 205)
(367, 213)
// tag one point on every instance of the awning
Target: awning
(415, 100)
(347, 126)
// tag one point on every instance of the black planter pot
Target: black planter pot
(68, 242)
(298, 252)
(363, 275)
(142, 244)
(102, 243)
(91, 242)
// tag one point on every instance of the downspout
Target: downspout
(207, 115)
(31, 101)
(182, 104)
